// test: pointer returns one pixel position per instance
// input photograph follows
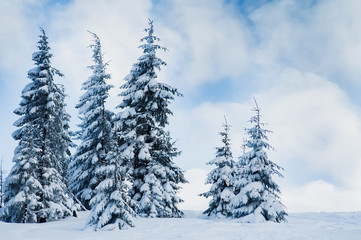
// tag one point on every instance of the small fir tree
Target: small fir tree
(221, 178)
(2, 174)
(95, 130)
(147, 148)
(257, 195)
(36, 188)
(112, 208)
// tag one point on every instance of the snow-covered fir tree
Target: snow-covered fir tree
(2, 176)
(147, 148)
(95, 130)
(257, 195)
(221, 178)
(35, 190)
(112, 207)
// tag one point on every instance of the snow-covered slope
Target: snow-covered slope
(340, 226)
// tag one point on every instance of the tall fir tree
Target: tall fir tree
(257, 195)
(95, 130)
(111, 206)
(147, 148)
(221, 178)
(36, 188)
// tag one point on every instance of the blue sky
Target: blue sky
(300, 59)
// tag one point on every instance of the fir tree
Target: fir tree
(36, 188)
(2, 174)
(95, 130)
(257, 195)
(221, 178)
(147, 148)
(112, 208)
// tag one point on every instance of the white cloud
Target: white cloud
(321, 196)
(210, 42)
(323, 38)
(14, 30)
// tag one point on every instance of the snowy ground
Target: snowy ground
(340, 226)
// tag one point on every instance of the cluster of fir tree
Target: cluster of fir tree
(122, 167)
(245, 189)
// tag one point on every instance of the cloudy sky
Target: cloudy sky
(300, 59)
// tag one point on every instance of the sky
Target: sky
(301, 60)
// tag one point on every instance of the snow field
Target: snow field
(310, 226)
